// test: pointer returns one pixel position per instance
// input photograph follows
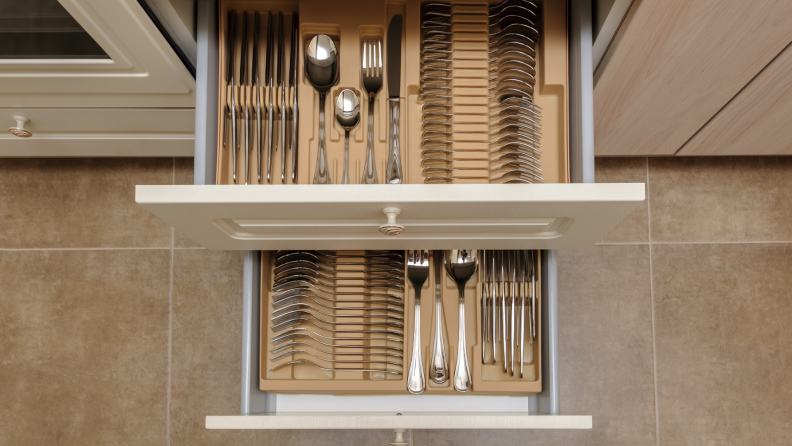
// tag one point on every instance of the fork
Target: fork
(371, 72)
(417, 272)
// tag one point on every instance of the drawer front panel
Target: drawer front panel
(495, 216)
(100, 132)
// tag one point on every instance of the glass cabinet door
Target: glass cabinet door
(43, 29)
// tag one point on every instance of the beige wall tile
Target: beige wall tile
(723, 338)
(184, 175)
(80, 203)
(721, 199)
(605, 331)
(84, 347)
(207, 344)
(635, 227)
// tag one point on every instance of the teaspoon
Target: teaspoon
(347, 113)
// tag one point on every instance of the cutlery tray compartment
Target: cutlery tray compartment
(348, 22)
(487, 379)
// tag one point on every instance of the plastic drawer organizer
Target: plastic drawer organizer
(567, 211)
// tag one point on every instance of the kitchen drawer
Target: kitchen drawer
(286, 409)
(100, 132)
(257, 218)
(553, 215)
(486, 370)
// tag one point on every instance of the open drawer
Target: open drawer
(265, 217)
(556, 214)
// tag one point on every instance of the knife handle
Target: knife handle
(393, 172)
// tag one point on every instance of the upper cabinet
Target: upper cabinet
(97, 78)
(695, 78)
(88, 53)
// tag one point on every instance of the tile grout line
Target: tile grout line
(87, 249)
(651, 300)
(170, 325)
(760, 242)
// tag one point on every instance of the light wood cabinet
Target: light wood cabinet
(695, 78)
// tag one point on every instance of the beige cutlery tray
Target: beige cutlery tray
(349, 21)
(487, 379)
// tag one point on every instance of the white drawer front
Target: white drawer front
(494, 216)
(100, 132)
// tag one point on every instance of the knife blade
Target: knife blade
(232, 97)
(282, 98)
(243, 93)
(293, 86)
(270, 100)
(393, 172)
(256, 87)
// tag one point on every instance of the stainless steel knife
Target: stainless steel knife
(232, 100)
(293, 85)
(268, 70)
(282, 97)
(255, 97)
(393, 172)
(243, 94)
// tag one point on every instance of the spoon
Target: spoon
(461, 265)
(321, 69)
(347, 113)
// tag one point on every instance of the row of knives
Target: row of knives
(260, 113)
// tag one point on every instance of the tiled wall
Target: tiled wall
(115, 330)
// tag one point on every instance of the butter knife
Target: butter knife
(293, 85)
(393, 172)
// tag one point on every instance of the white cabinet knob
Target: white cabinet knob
(391, 228)
(19, 130)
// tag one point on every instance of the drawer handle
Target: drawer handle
(19, 130)
(391, 228)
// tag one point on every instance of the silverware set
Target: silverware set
(322, 70)
(508, 302)
(269, 101)
(477, 78)
(338, 309)
(341, 311)
(460, 266)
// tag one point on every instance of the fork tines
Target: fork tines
(372, 58)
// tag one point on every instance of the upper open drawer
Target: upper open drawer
(494, 216)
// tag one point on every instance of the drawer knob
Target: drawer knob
(19, 130)
(391, 228)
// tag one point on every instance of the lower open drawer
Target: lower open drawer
(301, 330)
(266, 410)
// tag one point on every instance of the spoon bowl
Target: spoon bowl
(347, 113)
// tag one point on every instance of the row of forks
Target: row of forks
(333, 306)
(508, 300)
